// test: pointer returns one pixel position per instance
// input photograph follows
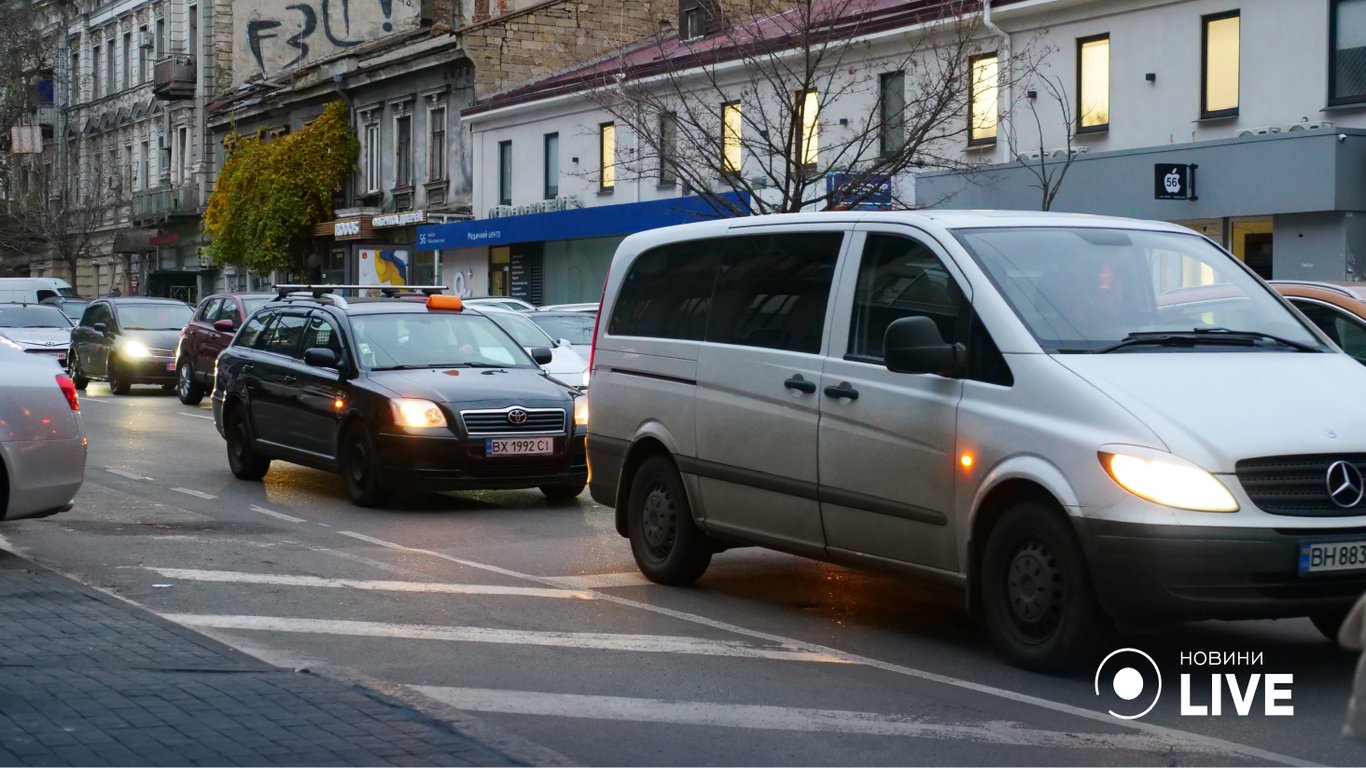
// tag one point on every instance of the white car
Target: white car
(585, 307)
(567, 366)
(501, 302)
(38, 329)
(43, 444)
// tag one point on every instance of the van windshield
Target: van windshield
(1090, 290)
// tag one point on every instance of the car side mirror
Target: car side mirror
(542, 355)
(226, 325)
(913, 345)
(563, 343)
(101, 327)
(320, 357)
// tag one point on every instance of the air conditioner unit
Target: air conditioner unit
(1062, 152)
(1310, 125)
(205, 261)
(1264, 130)
(146, 40)
(1027, 156)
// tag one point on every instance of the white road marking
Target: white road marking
(602, 580)
(1172, 734)
(378, 585)
(125, 473)
(195, 415)
(193, 492)
(280, 515)
(88, 399)
(602, 641)
(800, 719)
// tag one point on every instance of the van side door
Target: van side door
(757, 376)
(887, 440)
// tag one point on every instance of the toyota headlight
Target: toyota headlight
(134, 349)
(581, 411)
(410, 412)
(1169, 481)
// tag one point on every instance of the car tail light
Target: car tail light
(597, 320)
(69, 389)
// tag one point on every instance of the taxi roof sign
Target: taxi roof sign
(443, 302)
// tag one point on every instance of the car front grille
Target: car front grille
(154, 352)
(539, 421)
(1298, 485)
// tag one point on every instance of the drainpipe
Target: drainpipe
(1004, 57)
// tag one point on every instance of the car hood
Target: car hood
(1217, 408)
(475, 387)
(38, 337)
(159, 339)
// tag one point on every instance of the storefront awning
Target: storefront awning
(599, 221)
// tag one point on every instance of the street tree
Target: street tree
(54, 215)
(1048, 167)
(790, 105)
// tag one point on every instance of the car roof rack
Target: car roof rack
(327, 293)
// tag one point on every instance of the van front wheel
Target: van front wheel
(668, 546)
(1036, 593)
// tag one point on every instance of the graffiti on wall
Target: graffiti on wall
(273, 36)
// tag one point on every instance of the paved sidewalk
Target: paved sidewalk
(88, 680)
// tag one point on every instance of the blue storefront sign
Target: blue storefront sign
(599, 221)
(850, 191)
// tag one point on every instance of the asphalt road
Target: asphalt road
(528, 623)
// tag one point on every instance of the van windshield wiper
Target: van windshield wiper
(1199, 336)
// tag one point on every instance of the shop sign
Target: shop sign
(346, 229)
(170, 239)
(1174, 181)
(405, 219)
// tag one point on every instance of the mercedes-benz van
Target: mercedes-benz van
(1081, 421)
(32, 290)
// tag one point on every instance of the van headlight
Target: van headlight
(580, 411)
(1170, 481)
(134, 349)
(411, 412)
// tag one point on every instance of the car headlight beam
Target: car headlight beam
(1169, 482)
(581, 411)
(134, 349)
(411, 412)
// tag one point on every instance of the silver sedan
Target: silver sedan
(42, 440)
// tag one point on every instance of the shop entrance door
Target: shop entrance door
(500, 266)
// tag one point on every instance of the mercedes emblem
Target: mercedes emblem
(1345, 486)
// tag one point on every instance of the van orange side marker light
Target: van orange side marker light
(339, 403)
(440, 301)
(965, 460)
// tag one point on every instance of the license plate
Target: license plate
(1325, 556)
(170, 367)
(519, 446)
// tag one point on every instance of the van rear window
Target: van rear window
(667, 292)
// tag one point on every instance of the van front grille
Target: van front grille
(1298, 485)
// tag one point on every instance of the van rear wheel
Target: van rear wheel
(1036, 592)
(668, 546)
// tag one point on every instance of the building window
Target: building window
(95, 72)
(692, 24)
(371, 150)
(109, 85)
(1093, 83)
(436, 146)
(1347, 47)
(145, 165)
(130, 167)
(127, 59)
(551, 167)
(891, 112)
(732, 138)
(505, 173)
(808, 116)
(668, 149)
(73, 81)
(607, 155)
(1219, 70)
(193, 42)
(161, 38)
(983, 112)
(403, 151)
(144, 58)
(182, 154)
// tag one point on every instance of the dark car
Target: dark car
(396, 394)
(73, 306)
(215, 321)
(126, 341)
(37, 328)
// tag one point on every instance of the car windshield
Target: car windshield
(32, 316)
(575, 326)
(434, 340)
(1100, 290)
(527, 333)
(154, 317)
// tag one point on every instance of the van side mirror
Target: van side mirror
(542, 355)
(319, 357)
(913, 345)
(226, 325)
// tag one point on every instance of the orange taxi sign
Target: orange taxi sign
(451, 303)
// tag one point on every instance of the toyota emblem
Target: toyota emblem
(518, 416)
(1345, 486)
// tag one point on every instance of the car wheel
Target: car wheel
(117, 384)
(1036, 593)
(1330, 622)
(564, 491)
(668, 546)
(189, 391)
(243, 460)
(360, 469)
(73, 367)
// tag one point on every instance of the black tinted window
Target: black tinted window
(900, 277)
(283, 335)
(667, 292)
(208, 311)
(252, 330)
(773, 289)
(322, 333)
(95, 313)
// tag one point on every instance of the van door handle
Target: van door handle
(843, 390)
(291, 379)
(800, 384)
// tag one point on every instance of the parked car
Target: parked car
(31, 290)
(586, 307)
(72, 306)
(1337, 308)
(506, 302)
(43, 444)
(38, 329)
(566, 365)
(396, 394)
(1016, 403)
(215, 321)
(126, 341)
(573, 327)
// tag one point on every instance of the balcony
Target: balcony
(173, 77)
(165, 202)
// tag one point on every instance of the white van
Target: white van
(1081, 421)
(31, 290)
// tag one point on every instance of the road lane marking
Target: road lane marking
(603, 641)
(280, 515)
(801, 719)
(194, 493)
(1160, 731)
(378, 585)
(125, 473)
(603, 580)
(195, 415)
